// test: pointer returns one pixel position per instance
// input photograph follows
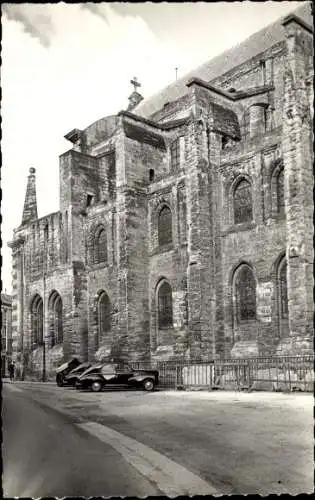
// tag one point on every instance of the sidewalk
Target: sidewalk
(8, 381)
(197, 394)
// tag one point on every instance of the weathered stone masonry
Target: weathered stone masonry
(185, 232)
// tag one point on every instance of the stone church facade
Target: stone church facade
(185, 227)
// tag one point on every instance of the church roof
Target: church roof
(221, 64)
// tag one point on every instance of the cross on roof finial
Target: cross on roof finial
(135, 83)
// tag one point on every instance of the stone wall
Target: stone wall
(119, 177)
(299, 181)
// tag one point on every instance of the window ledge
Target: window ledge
(242, 322)
(262, 135)
(101, 265)
(163, 249)
(235, 228)
(278, 218)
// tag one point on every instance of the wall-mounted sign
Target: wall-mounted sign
(264, 301)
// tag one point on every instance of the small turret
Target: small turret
(30, 203)
(135, 97)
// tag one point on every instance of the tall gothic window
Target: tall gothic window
(165, 306)
(242, 202)
(245, 294)
(282, 290)
(280, 193)
(165, 226)
(111, 162)
(182, 214)
(175, 155)
(66, 252)
(277, 189)
(100, 246)
(60, 238)
(103, 316)
(37, 321)
(55, 318)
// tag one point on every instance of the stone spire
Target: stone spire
(135, 97)
(30, 203)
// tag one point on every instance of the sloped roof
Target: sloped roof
(249, 48)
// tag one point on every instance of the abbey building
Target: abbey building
(185, 226)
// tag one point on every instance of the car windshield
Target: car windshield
(108, 368)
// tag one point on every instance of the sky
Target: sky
(64, 66)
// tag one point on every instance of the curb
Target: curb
(21, 382)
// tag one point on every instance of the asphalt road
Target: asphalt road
(138, 444)
(46, 454)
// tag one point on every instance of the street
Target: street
(61, 442)
(44, 454)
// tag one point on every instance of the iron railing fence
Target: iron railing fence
(281, 373)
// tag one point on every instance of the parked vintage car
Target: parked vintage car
(111, 375)
(72, 377)
(63, 370)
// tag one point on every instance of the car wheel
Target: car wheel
(148, 385)
(96, 386)
(59, 381)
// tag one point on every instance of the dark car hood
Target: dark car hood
(69, 365)
(75, 372)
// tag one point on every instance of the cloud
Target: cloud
(67, 74)
(95, 9)
(66, 65)
(35, 19)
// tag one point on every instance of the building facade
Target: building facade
(185, 227)
(6, 333)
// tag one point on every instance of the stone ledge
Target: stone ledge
(237, 228)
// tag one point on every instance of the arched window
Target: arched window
(182, 214)
(280, 193)
(100, 246)
(37, 321)
(165, 226)
(60, 238)
(103, 317)
(282, 290)
(55, 319)
(277, 189)
(66, 252)
(165, 306)
(151, 174)
(245, 294)
(242, 202)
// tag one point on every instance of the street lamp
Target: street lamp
(44, 327)
(44, 361)
(44, 299)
